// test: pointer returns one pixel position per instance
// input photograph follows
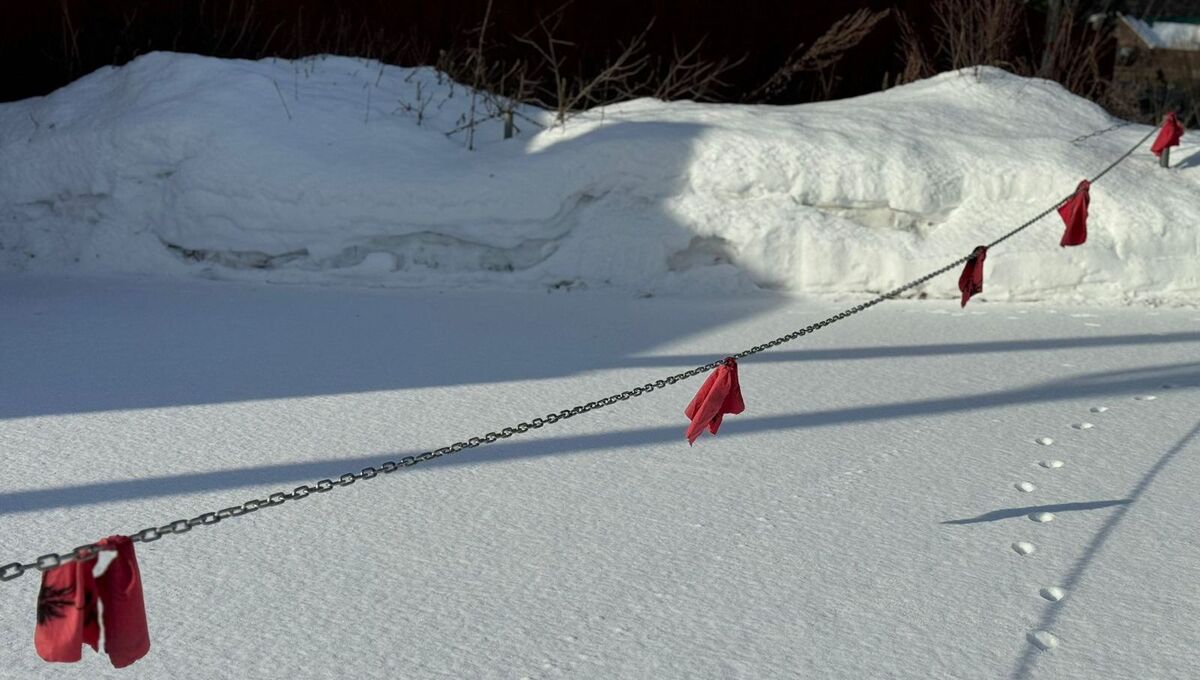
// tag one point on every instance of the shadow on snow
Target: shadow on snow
(1110, 383)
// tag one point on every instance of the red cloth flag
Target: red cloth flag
(126, 635)
(1075, 213)
(721, 393)
(1168, 136)
(66, 612)
(971, 280)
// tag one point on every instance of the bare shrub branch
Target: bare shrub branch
(687, 76)
(824, 54)
(977, 32)
(917, 63)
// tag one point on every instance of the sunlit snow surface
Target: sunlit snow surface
(878, 511)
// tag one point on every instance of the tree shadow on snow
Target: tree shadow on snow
(1101, 384)
(72, 346)
(173, 347)
(937, 349)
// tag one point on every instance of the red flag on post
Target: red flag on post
(1075, 213)
(1168, 136)
(721, 393)
(970, 281)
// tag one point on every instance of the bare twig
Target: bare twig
(977, 32)
(687, 76)
(917, 64)
(281, 99)
(548, 49)
(616, 72)
(823, 55)
(479, 71)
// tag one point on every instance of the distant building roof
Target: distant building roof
(1166, 34)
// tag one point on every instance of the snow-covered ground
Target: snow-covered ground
(919, 491)
(858, 521)
(335, 169)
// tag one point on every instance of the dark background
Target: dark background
(47, 43)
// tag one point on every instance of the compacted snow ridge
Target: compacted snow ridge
(327, 170)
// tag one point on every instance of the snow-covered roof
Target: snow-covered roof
(1178, 36)
(1143, 30)
(1166, 34)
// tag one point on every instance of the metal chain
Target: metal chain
(11, 571)
(1063, 200)
(1100, 133)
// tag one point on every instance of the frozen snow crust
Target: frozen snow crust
(321, 170)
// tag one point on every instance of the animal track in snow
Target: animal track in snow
(1043, 640)
(1098, 409)
(1083, 426)
(1023, 548)
(1044, 441)
(1027, 487)
(1051, 464)
(1042, 517)
(1052, 593)
(1146, 397)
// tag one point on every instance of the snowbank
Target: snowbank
(335, 169)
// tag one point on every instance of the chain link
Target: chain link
(14, 570)
(1101, 133)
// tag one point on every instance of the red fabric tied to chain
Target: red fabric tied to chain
(126, 634)
(67, 613)
(1168, 136)
(1075, 213)
(721, 393)
(971, 280)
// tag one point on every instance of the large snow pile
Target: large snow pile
(335, 169)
